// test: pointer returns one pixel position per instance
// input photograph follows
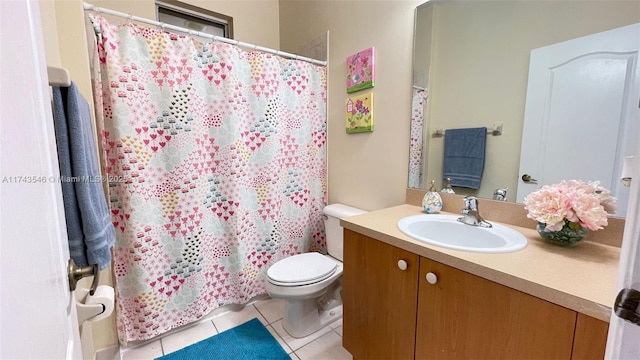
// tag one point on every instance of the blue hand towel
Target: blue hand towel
(89, 228)
(464, 152)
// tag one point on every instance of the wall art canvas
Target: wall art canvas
(360, 70)
(359, 113)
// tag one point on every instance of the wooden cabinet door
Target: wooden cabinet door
(379, 299)
(590, 339)
(463, 316)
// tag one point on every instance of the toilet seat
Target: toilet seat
(301, 269)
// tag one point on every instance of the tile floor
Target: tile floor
(324, 344)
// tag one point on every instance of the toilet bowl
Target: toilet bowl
(311, 283)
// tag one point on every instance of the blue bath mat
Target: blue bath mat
(249, 341)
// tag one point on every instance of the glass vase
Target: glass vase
(570, 235)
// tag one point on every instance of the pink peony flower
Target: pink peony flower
(586, 204)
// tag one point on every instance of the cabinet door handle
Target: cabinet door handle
(402, 265)
(432, 278)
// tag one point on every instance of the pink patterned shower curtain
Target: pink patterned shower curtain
(216, 160)
(416, 151)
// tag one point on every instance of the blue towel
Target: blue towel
(464, 151)
(89, 228)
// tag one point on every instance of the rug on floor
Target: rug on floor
(247, 341)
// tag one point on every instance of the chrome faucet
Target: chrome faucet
(500, 194)
(471, 214)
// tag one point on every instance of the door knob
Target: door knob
(528, 179)
(76, 273)
(627, 305)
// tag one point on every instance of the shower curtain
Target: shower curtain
(216, 162)
(418, 100)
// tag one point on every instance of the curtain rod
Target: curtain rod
(131, 17)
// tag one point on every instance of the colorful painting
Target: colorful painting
(359, 113)
(360, 70)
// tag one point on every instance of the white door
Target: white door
(581, 114)
(624, 336)
(37, 311)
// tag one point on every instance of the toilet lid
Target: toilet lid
(301, 269)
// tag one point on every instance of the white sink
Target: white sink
(447, 231)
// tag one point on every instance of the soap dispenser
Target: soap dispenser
(432, 202)
(447, 188)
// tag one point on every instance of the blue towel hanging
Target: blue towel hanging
(89, 229)
(464, 153)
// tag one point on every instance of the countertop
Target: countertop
(582, 278)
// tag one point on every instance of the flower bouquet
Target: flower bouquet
(566, 211)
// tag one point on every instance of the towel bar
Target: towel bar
(58, 76)
(495, 130)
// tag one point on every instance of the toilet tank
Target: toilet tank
(333, 231)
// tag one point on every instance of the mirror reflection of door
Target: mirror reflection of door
(581, 114)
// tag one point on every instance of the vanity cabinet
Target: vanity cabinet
(379, 299)
(398, 305)
(463, 316)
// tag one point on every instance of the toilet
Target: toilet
(311, 283)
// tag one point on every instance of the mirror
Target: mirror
(473, 59)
